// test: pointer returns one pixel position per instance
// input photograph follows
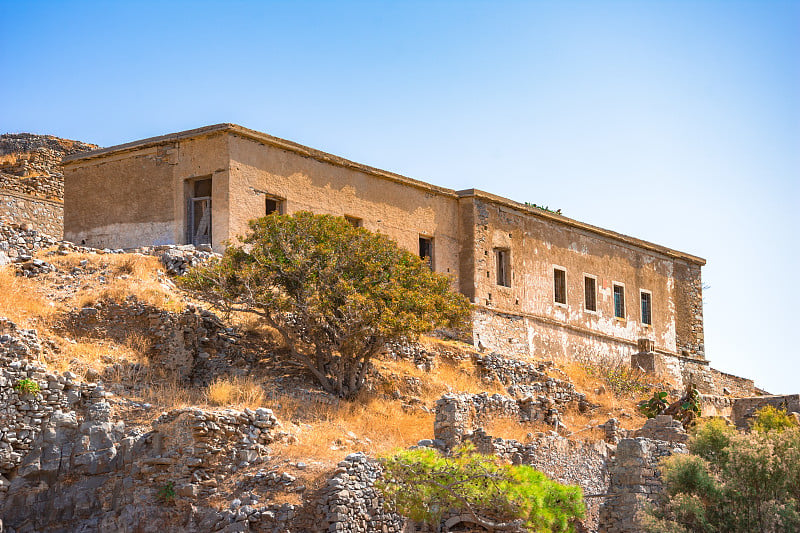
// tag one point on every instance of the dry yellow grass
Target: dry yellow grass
(235, 391)
(446, 377)
(370, 424)
(511, 428)
(21, 302)
(126, 275)
(97, 354)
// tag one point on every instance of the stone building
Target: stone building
(543, 285)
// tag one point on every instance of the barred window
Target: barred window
(619, 301)
(503, 263)
(590, 293)
(647, 315)
(560, 285)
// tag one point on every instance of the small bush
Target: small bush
(167, 493)
(654, 406)
(424, 485)
(27, 386)
(768, 418)
(710, 439)
(732, 482)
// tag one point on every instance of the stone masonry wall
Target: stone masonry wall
(744, 408)
(45, 216)
(519, 336)
(563, 460)
(458, 415)
(17, 242)
(635, 482)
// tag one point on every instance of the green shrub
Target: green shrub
(27, 386)
(732, 482)
(768, 418)
(167, 492)
(336, 294)
(424, 485)
(654, 406)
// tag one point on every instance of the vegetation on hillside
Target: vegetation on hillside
(336, 293)
(425, 485)
(734, 482)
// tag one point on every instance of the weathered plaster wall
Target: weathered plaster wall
(399, 210)
(45, 216)
(135, 198)
(537, 245)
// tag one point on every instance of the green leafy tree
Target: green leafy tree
(732, 482)
(336, 293)
(424, 485)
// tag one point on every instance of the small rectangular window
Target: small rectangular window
(426, 249)
(355, 222)
(589, 293)
(647, 310)
(619, 301)
(273, 205)
(503, 265)
(560, 285)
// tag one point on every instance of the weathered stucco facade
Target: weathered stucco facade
(544, 285)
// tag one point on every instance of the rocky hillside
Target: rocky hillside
(31, 163)
(125, 405)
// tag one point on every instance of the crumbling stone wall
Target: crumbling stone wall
(43, 215)
(31, 182)
(19, 242)
(745, 408)
(458, 415)
(350, 503)
(635, 482)
(567, 461)
(689, 333)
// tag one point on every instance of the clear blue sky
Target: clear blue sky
(677, 122)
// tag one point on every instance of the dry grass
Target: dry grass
(97, 354)
(236, 391)
(512, 428)
(446, 377)
(615, 389)
(126, 275)
(21, 302)
(370, 424)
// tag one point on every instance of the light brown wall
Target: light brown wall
(537, 244)
(398, 210)
(136, 198)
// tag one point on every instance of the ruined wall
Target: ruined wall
(745, 408)
(571, 462)
(538, 243)
(401, 209)
(45, 216)
(689, 309)
(635, 482)
(137, 198)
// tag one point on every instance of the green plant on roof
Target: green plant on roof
(544, 208)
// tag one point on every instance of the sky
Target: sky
(676, 122)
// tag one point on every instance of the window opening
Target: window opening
(560, 285)
(426, 249)
(273, 205)
(619, 301)
(355, 222)
(647, 316)
(503, 266)
(198, 207)
(590, 293)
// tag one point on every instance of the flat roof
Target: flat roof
(325, 157)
